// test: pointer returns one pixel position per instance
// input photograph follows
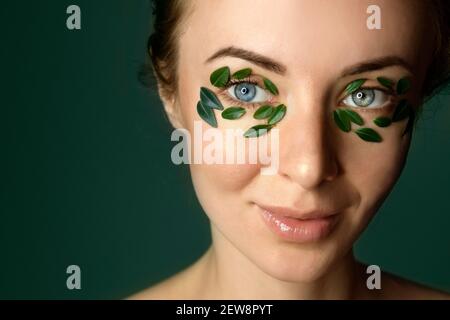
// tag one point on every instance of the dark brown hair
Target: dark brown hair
(160, 69)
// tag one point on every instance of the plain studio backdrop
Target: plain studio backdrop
(87, 179)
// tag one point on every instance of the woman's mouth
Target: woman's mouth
(299, 227)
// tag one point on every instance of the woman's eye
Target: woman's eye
(366, 98)
(248, 92)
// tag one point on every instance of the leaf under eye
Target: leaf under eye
(220, 77)
(207, 114)
(385, 82)
(263, 112)
(233, 113)
(403, 85)
(269, 85)
(353, 116)
(368, 134)
(382, 121)
(401, 111)
(354, 85)
(278, 114)
(241, 74)
(342, 120)
(209, 99)
(257, 131)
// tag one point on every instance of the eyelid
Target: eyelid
(250, 79)
(390, 92)
(389, 103)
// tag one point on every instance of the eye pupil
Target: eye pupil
(245, 91)
(364, 97)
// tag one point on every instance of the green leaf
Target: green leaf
(354, 85)
(206, 114)
(342, 120)
(401, 111)
(382, 121)
(353, 116)
(233, 113)
(270, 86)
(220, 77)
(403, 85)
(278, 114)
(241, 74)
(257, 131)
(368, 134)
(386, 82)
(263, 112)
(209, 99)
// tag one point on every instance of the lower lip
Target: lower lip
(297, 230)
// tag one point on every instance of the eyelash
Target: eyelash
(388, 105)
(243, 104)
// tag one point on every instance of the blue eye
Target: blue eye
(363, 98)
(245, 91)
(366, 98)
(248, 92)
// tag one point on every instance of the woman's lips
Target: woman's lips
(311, 227)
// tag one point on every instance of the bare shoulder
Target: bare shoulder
(395, 287)
(168, 289)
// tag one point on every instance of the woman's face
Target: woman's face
(321, 46)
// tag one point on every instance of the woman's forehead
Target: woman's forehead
(307, 34)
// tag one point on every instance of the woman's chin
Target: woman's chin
(303, 266)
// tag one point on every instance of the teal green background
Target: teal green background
(87, 177)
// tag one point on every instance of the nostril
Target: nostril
(333, 173)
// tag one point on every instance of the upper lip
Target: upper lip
(297, 214)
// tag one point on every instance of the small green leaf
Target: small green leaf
(220, 77)
(403, 85)
(353, 116)
(354, 85)
(270, 86)
(241, 74)
(263, 112)
(278, 113)
(209, 99)
(207, 114)
(233, 113)
(401, 111)
(382, 121)
(342, 120)
(386, 82)
(368, 134)
(257, 130)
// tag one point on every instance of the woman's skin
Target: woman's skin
(320, 45)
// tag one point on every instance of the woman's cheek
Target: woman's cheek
(224, 177)
(374, 168)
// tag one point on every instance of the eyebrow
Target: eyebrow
(376, 64)
(256, 58)
(277, 67)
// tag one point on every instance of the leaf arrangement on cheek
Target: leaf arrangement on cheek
(344, 117)
(209, 101)
(403, 109)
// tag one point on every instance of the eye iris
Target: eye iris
(364, 97)
(245, 91)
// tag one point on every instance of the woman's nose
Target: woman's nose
(307, 154)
